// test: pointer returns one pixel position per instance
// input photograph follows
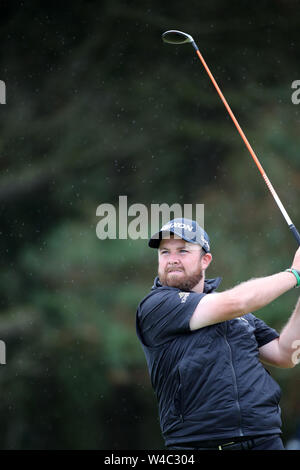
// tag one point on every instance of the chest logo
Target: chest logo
(183, 296)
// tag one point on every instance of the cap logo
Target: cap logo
(178, 225)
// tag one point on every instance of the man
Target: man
(205, 351)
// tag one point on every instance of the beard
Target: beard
(184, 281)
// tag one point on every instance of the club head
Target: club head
(176, 37)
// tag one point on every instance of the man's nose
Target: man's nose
(173, 258)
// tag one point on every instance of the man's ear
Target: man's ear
(206, 260)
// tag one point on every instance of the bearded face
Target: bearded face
(180, 264)
(186, 283)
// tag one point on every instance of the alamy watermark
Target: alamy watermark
(296, 95)
(296, 354)
(2, 352)
(2, 92)
(139, 221)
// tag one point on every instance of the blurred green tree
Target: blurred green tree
(98, 107)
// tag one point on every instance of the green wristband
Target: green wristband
(296, 274)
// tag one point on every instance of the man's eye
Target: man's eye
(183, 251)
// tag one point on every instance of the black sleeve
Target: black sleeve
(263, 333)
(166, 314)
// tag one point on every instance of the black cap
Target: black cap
(188, 230)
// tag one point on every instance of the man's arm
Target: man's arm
(284, 351)
(247, 297)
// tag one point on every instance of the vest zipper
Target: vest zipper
(234, 382)
(180, 398)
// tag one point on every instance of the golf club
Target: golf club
(178, 37)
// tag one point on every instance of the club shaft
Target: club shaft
(252, 153)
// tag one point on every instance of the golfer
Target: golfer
(206, 351)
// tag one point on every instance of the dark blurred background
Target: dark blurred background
(96, 107)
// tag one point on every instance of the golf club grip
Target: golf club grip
(295, 233)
